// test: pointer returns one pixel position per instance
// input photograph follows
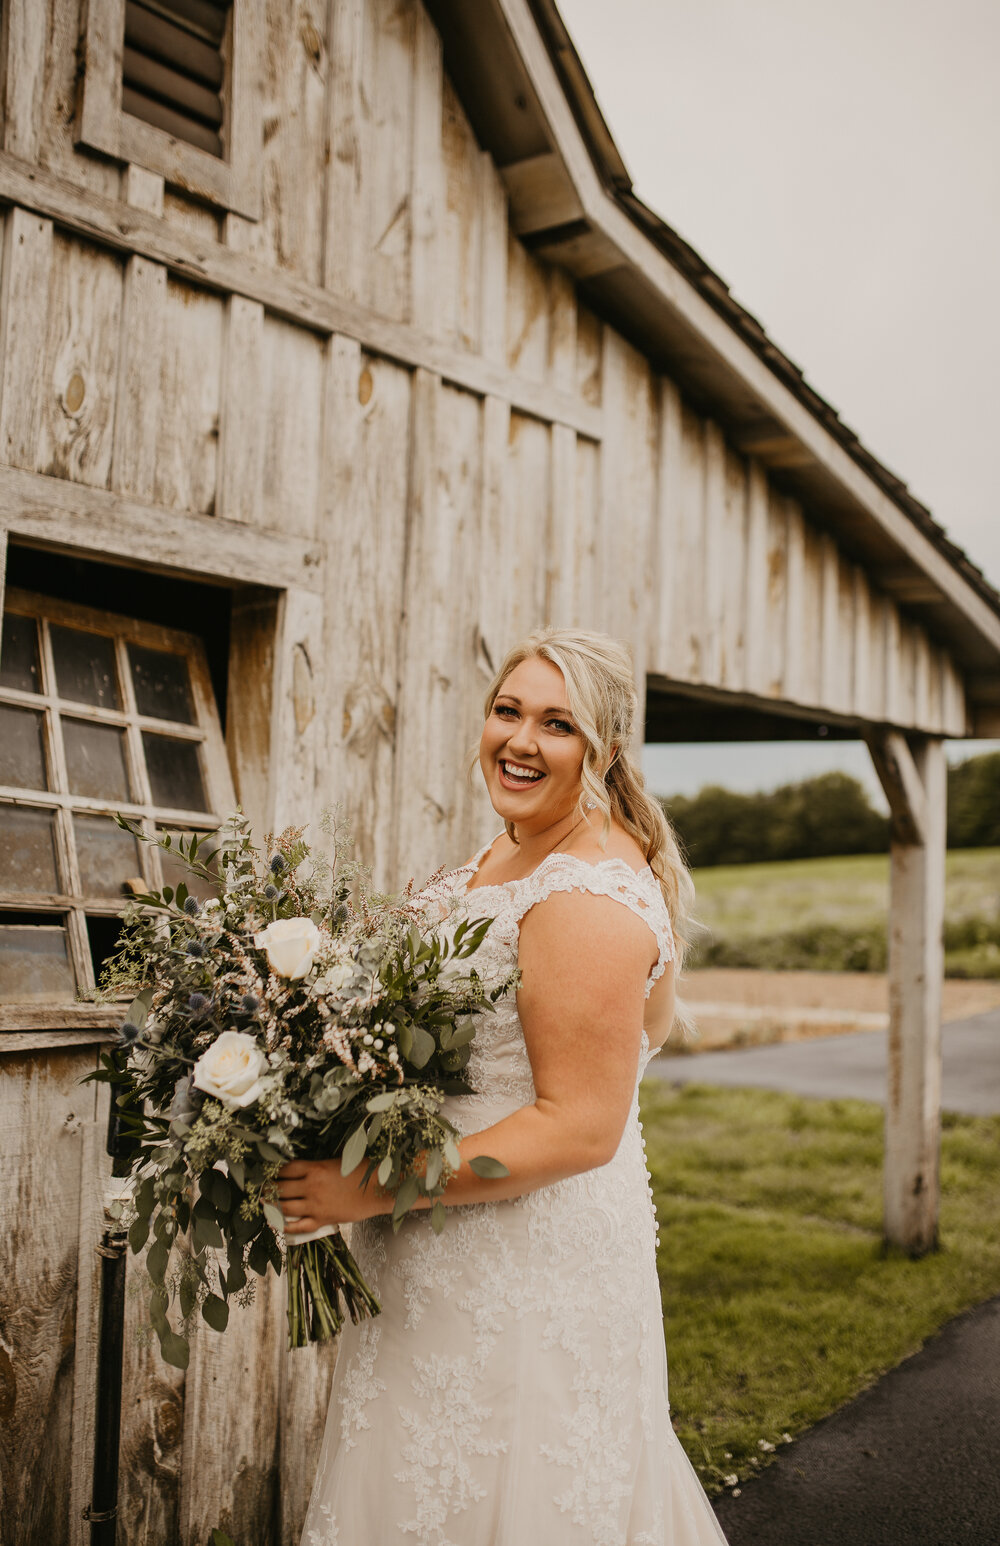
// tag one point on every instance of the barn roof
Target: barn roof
(532, 106)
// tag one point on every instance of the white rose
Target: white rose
(291, 944)
(337, 976)
(231, 1069)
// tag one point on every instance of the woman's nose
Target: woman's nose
(522, 738)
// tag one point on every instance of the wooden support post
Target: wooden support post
(914, 781)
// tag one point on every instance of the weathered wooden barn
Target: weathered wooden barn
(335, 353)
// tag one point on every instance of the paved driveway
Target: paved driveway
(853, 1064)
(911, 1462)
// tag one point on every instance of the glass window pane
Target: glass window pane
(85, 666)
(174, 772)
(22, 750)
(162, 685)
(27, 849)
(95, 759)
(34, 964)
(106, 855)
(175, 870)
(19, 653)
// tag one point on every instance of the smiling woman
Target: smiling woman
(514, 1387)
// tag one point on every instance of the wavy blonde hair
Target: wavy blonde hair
(601, 696)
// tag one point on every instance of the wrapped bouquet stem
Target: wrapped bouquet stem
(291, 1015)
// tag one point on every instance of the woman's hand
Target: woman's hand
(315, 1192)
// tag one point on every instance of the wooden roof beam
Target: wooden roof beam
(670, 289)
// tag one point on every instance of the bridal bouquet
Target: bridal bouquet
(292, 1015)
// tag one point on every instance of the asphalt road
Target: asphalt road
(854, 1064)
(915, 1461)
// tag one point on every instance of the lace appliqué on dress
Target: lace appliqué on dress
(514, 1388)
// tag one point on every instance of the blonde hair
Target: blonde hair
(601, 696)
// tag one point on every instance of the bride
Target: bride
(514, 1389)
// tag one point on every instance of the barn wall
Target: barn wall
(378, 381)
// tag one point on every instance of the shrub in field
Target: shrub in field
(818, 947)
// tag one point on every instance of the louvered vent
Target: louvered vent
(174, 69)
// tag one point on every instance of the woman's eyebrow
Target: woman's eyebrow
(510, 698)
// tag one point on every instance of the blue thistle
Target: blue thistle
(271, 892)
(191, 906)
(195, 947)
(250, 1003)
(129, 1033)
(277, 864)
(197, 1003)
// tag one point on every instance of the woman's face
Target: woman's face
(531, 751)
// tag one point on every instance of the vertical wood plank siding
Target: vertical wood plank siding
(443, 524)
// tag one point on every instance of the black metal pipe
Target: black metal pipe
(102, 1511)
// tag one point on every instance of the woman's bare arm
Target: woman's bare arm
(584, 962)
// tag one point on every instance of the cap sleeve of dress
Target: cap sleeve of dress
(639, 891)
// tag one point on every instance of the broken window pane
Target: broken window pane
(27, 849)
(174, 772)
(34, 964)
(22, 749)
(85, 666)
(162, 685)
(102, 937)
(19, 653)
(106, 856)
(95, 759)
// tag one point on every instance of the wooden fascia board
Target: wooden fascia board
(676, 291)
(73, 517)
(128, 229)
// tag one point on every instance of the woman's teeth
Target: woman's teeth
(519, 775)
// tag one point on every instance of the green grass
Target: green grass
(779, 1301)
(830, 914)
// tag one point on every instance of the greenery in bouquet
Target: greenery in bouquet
(292, 1014)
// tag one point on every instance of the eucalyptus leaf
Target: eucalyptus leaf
(207, 1232)
(274, 1216)
(404, 1038)
(175, 1349)
(156, 1260)
(405, 1197)
(216, 1312)
(438, 1217)
(385, 1170)
(423, 1047)
(435, 1163)
(258, 1257)
(486, 1166)
(238, 1172)
(138, 1234)
(188, 1295)
(354, 1150)
(382, 1102)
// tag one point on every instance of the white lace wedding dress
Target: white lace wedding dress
(513, 1392)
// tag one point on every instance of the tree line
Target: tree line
(829, 814)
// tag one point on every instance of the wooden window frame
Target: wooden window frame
(104, 125)
(71, 905)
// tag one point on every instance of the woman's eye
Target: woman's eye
(561, 724)
(504, 708)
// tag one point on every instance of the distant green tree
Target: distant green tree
(974, 802)
(829, 814)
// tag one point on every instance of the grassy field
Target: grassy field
(830, 913)
(779, 1302)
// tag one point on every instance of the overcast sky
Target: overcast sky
(838, 165)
